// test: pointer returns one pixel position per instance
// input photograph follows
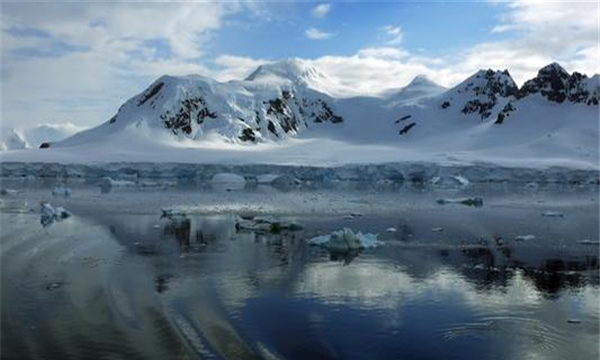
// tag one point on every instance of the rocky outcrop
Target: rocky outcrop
(190, 110)
(481, 92)
(554, 83)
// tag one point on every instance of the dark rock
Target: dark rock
(190, 108)
(407, 128)
(150, 93)
(271, 128)
(403, 118)
(508, 108)
(248, 135)
(45, 145)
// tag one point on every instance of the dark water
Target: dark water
(125, 284)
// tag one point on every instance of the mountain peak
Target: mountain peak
(553, 68)
(556, 84)
(293, 69)
(420, 80)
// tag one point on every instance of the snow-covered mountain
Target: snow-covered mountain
(286, 110)
(419, 88)
(276, 101)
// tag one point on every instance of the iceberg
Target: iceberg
(346, 240)
(50, 214)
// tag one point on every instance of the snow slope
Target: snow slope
(284, 113)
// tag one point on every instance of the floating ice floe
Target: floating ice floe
(469, 201)
(524, 237)
(552, 214)
(50, 214)
(266, 224)
(345, 240)
(437, 229)
(531, 185)
(352, 216)
(391, 229)
(449, 181)
(588, 242)
(61, 190)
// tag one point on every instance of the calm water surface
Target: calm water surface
(115, 281)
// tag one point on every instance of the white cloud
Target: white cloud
(316, 34)
(117, 54)
(236, 67)
(321, 10)
(393, 34)
(542, 32)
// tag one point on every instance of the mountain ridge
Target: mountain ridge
(279, 108)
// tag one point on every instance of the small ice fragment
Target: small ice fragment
(5, 192)
(531, 185)
(62, 213)
(391, 229)
(461, 179)
(156, 226)
(524, 237)
(437, 229)
(348, 217)
(552, 214)
(61, 190)
(54, 285)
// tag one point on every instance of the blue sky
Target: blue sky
(356, 25)
(78, 61)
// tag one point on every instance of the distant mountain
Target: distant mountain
(14, 141)
(32, 138)
(419, 88)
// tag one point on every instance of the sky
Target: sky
(77, 62)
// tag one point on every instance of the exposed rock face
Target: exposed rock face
(190, 109)
(407, 128)
(480, 93)
(151, 93)
(488, 86)
(555, 84)
(508, 108)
